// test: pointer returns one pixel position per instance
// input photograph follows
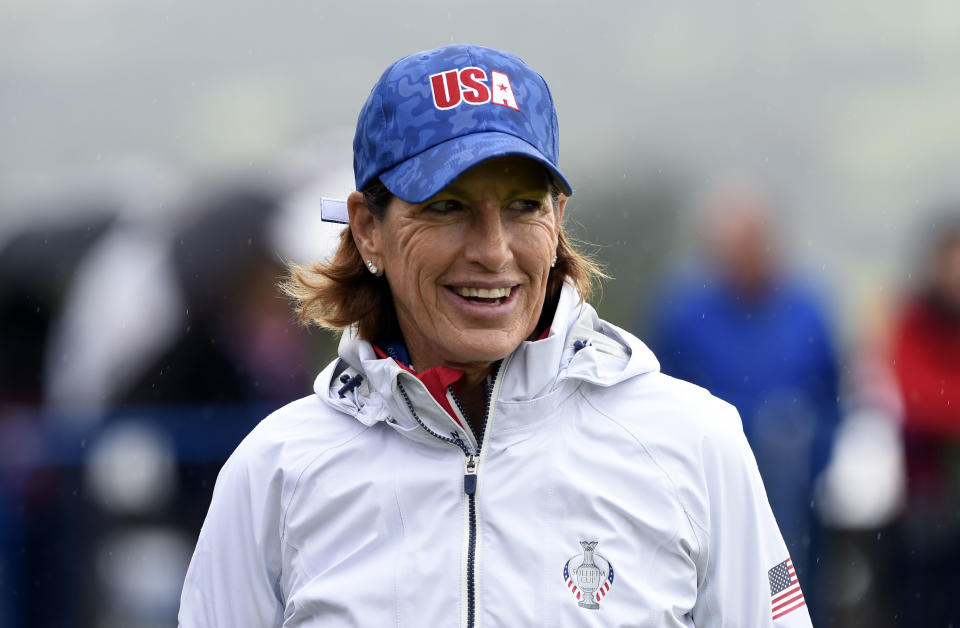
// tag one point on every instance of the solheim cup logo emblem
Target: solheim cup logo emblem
(588, 576)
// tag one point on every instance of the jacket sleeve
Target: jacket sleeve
(233, 578)
(745, 575)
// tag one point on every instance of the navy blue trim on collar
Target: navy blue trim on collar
(397, 350)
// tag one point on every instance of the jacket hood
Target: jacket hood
(580, 348)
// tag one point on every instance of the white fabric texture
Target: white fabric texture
(347, 512)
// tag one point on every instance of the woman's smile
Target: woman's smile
(483, 302)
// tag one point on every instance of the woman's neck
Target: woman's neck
(472, 394)
(471, 391)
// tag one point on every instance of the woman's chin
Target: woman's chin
(482, 348)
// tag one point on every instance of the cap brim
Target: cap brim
(334, 210)
(423, 176)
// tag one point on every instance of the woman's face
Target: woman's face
(468, 268)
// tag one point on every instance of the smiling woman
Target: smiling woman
(483, 431)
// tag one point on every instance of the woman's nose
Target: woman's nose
(488, 241)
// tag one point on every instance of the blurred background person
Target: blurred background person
(234, 343)
(742, 326)
(926, 361)
(35, 273)
(860, 495)
(135, 352)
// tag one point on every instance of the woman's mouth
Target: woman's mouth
(483, 296)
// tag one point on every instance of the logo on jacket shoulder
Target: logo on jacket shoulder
(588, 576)
(472, 86)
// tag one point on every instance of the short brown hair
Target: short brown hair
(341, 292)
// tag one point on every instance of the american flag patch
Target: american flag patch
(785, 593)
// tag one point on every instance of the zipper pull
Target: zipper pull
(470, 475)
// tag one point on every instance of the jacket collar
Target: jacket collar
(580, 348)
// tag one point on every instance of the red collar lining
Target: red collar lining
(436, 379)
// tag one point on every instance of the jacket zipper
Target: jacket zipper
(471, 464)
(470, 489)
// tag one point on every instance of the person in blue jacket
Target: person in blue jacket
(753, 334)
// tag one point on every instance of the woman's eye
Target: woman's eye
(526, 205)
(444, 207)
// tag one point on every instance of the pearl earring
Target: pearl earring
(373, 268)
(553, 262)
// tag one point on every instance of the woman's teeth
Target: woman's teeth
(483, 296)
(483, 293)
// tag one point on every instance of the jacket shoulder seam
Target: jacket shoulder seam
(695, 525)
(296, 486)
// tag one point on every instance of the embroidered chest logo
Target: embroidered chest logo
(588, 576)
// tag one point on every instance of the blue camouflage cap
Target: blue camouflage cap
(434, 115)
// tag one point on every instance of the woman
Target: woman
(485, 451)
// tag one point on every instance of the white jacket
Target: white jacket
(349, 512)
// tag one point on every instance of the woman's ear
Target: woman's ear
(558, 212)
(363, 225)
(561, 205)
